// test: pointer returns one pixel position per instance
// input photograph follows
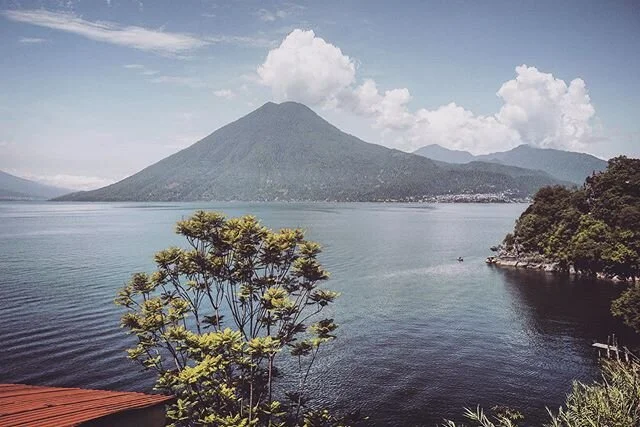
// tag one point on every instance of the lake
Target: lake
(421, 335)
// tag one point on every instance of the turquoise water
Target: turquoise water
(421, 335)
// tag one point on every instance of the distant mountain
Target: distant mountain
(16, 188)
(287, 152)
(438, 152)
(564, 165)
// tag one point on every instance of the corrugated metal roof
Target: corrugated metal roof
(25, 405)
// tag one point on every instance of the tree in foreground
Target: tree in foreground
(612, 402)
(214, 321)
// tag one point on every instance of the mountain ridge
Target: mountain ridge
(564, 165)
(288, 152)
(16, 188)
(438, 152)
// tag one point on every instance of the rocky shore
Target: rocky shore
(539, 262)
(524, 262)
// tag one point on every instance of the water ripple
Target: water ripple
(417, 328)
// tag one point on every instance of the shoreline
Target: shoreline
(489, 198)
(439, 200)
(547, 266)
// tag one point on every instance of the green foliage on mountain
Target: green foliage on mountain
(563, 165)
(440, 153)
(535, 178)
(595, 229)
(287, 152)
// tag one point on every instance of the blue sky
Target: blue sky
(93, 91)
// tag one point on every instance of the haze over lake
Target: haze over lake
(421, 335)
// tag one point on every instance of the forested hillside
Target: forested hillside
(593, 229)
(287, 152)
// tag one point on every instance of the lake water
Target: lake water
(421, 335)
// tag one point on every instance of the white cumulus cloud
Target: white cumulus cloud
(389, 109)
(545, 111)
(305, 68)
(538, 108)
(456, 128)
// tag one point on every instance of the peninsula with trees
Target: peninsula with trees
(592, 230)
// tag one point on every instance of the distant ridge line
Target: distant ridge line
(288, 152)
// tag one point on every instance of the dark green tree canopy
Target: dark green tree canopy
(595, 229)
(627, 307)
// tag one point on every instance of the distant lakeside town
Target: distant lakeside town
(501, 197)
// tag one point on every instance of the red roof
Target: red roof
(27, 405)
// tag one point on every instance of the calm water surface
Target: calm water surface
(421, 335)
